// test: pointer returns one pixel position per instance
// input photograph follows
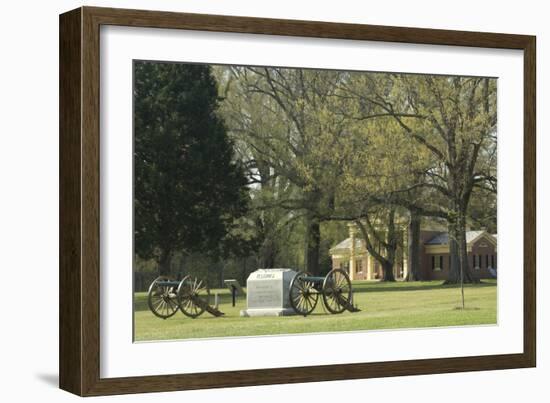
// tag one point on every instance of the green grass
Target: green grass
(383, 306)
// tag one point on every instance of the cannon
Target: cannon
(190, 296)
(335, 290)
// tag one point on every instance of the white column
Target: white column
(370, 267)
(405, 252)
(352, 232)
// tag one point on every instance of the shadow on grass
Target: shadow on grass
(398, 286)
(140, 301)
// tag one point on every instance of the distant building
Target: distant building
(352, 256)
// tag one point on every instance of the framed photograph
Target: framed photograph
(249, 201)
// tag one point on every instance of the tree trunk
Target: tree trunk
(268, 253)
(387, 271)
(454, 269)
(164, 263)
(244, 276)
(460, 269)
(312, 244)
(465, 273)
(391, 249)
(390, 245)
(413, 258)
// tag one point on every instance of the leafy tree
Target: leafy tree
(321, 146)
(454, 119)
(380, 161)
(282, 118)
(247, 125)
(189, 191)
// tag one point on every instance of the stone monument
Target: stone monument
(267, 293)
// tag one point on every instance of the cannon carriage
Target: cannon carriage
(190, 295)
(334, 289)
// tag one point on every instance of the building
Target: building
(352, 256)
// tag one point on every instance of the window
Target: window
(486, 261)
(358, 265)
(477, 262)
(493, 261)
(439, 265)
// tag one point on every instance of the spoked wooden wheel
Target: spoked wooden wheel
(162, 298)
(193, 296)
(302, 294)
(337, 291)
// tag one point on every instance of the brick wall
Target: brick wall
(482, 256)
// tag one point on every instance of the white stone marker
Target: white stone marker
(267, 293)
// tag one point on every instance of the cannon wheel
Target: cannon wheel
(337, 291)
(302, 294)
(162, 299)
(192, 296)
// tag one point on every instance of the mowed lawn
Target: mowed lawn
(383, 306)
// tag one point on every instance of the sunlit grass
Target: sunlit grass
(383, 306)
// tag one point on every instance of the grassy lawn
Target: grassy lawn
(383, 306)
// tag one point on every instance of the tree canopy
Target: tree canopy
(273, 163)
(189, 189)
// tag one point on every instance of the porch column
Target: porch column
(405, 252)
(370, 267)
(352, 232)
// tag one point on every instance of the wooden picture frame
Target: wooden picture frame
(79, 348)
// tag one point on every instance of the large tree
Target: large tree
(380, 162)
(283, 118)
(454, 119)
(247, 125)
(188, 189)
